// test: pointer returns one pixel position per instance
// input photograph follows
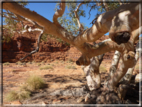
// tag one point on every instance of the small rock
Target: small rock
(16, 103)
(44, 103)
(128, 102)
(87, 97)
(80, 99)
(56, 101)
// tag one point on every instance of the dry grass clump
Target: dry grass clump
(6, 63)
(21, 95)
(102, 69)
(70, 61)
(38, 64)
(19, 63)
(11, 96)
(137, 67)
(70, 67)
(34, 83)
(46, 67)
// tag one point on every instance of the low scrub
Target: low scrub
(46, 67)
(102, 69)
(34, 83)
(19, 63)
(21, 95)
(137, 67)
(6, 63)
(70, 61)
(70, 67)
(39, 64)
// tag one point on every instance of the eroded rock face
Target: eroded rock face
(22, 44)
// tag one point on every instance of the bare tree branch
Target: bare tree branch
(102, 26)
(114, 63)
(105, 5)
(128, 76)
(136, 33)
(98, 4)
(38, 43)
(10, 17)
(128, 61)
(59, 13)
(26, 19)
(109, 22)
(76, 15)
(120, 2)
(138, 54)
(92, 72)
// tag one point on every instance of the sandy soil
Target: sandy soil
(60, 77)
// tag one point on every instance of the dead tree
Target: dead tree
(121, 23)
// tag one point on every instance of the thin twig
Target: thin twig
(76, 15)
(59, 13)
(120, 2)
(26, 19)
(38, 44)
(10, 17)
(105, 5)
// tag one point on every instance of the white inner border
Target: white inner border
(87, 104)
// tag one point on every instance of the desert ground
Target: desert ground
(59, 76)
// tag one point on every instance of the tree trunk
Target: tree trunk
(128, 75)
(114, 63)
(92, 72)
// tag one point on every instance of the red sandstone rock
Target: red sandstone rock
(22, 44)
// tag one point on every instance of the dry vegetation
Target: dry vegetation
(67, 73)
(70, 67)
(6, 63)
(102, 69)
(33, 83)
(46, 67)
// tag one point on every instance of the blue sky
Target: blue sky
(47, 10)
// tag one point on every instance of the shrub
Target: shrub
(19, 63)
(11, 96)
(38, 64)
(21, 95)
(46, 67)
(44, 37)
(6, 63)
(70, 67)
(137, 67)
(70, 61)
(34, 83)
(102, 69)
(24, 95)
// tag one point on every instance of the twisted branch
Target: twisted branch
(76, 15)
(59, 13)
(102, 26)
(105, 5)
(120, 2)
(38, 43)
